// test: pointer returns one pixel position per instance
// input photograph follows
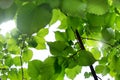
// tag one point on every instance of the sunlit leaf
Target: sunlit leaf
(12, 73)
(71, 73)
(43, 32)
(27, 55)
(8, 60)
(107, 34)
(58, 15)
(17, 61)
(99, 68)
(96, 53)
(40, 42)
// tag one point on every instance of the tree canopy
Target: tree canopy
(89, 32)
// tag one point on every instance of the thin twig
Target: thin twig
(21, 62)
(83, 48)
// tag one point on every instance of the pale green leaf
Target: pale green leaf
(27, 55)
(17, 61)
(71, 73)
(96, 53)
(42, 32)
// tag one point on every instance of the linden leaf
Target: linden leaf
(98, 7)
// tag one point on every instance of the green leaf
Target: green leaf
(76, 10)
(33, 17)
(12, 46)
(74, 23)
(85, 58)
(98, 7)
(60, 48)
(53, 4)
(42, 32)
(60, 36)
(32, 42)
(110, 19)
(13, 74)
(103, 60)
(8, 60)
(34, 68)
(105, 71)
(48, 68)
(96, 53)
(70, 34)
(117, 33)
(58, 15)
(16, 61)
(27, 55)
(118, 23)
(96, 20)
(114, 64)
(116, 3)
(99, 68)
(107, 34)
(40, 42)
(71, 73)
(87, 74)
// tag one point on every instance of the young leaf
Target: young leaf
(27, 55)
(96, 53)
(16, 61)
(71, 73)
(40, 42)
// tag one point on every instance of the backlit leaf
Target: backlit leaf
(71, 73)
(27, 55)
(17, 61)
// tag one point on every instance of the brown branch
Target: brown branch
(83, 48)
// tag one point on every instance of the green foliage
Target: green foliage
(40, 17)
(98, 26)
(71, 73)
(98, 7)
(85, 58)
